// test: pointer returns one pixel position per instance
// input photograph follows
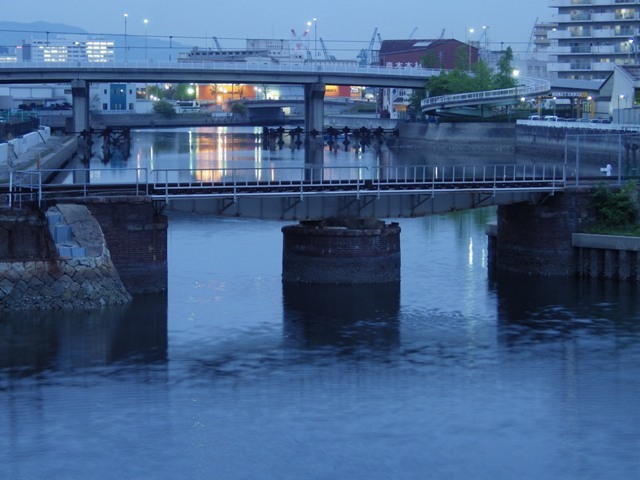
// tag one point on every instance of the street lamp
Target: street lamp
(308, 31)
(590, 100)
(469, 33)
(125, 36)
(554, 105)
(315, 38)
(622, 96)
(146, 22)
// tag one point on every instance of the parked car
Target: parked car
(551, 118)
(535, 117)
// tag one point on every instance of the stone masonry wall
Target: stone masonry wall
(137, 239)
(341, 255)
(537, 239)
(47, 280)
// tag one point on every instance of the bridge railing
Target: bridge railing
(314, 180)
(236, 181)
(34, 185)
(528, 86)
(394, 69)
(499, 176)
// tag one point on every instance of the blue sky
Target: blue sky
(344, 25)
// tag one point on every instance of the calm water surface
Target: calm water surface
(453, 374)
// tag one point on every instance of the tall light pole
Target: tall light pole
(469, 33)
(622, 96)
(308, 32)
(146, 22)
(125, 36)
(315, 39)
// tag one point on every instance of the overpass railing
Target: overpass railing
(35, 186)
(527, 86)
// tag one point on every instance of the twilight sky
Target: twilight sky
(345, 25)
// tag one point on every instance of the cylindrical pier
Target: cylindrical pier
(341, 252)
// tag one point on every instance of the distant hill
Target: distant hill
(13, 34)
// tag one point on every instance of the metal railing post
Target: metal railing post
(619, 157)
(577, 160)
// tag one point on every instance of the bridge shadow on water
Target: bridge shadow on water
(346, 317)
(533, 309)
(40, 343)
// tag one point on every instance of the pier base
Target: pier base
(341, 252)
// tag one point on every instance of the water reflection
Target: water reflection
(199, 148)
(32, 343)
(534, 309)
(349, 317)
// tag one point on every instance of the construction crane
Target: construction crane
(327, 55)
(441, 34)
(217, 43)
(531, 38)
(365, 54)
(413, 32)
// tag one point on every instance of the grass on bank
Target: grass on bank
(617, 211)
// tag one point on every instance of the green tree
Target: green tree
(184, 91)
(504, 76)
(155, 91)
(164, 108)
(430, 60)
(416, 97)
(239, 108)
(483, 76)
(616, 208)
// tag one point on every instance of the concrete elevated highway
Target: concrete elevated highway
(313, 76)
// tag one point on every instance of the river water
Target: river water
(456, 373)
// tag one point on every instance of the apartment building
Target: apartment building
(592, 37)
(69, 49)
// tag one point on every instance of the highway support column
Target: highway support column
(314, 108)
(80, 99)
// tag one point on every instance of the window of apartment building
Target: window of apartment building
(624, 13)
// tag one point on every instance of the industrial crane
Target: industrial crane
(365, 54)
(217, 43)
(327, 55)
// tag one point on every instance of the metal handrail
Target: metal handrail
(302, 181)
(32, 183)
(528, 86)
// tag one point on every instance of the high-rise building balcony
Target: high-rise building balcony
(591, 3)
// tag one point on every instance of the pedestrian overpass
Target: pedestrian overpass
(480, 104)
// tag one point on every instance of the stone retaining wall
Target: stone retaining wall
(607, 256)
(54, 281)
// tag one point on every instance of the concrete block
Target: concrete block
(64, 251)
(78, 252)
(61, 233)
